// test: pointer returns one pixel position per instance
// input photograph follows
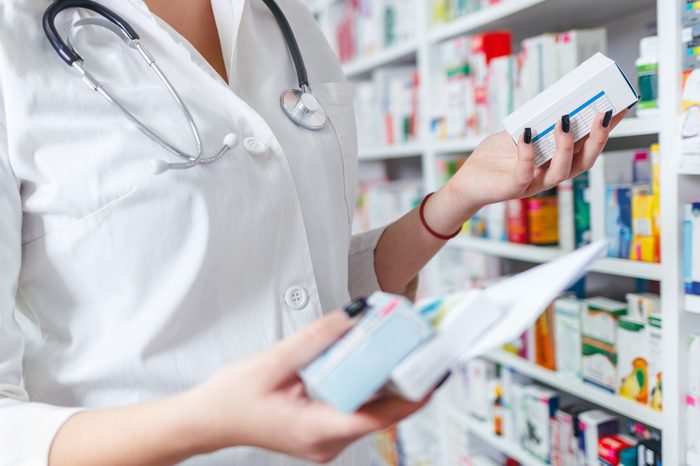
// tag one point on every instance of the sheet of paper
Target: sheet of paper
(525, 296)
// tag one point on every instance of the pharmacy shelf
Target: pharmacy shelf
(626, 408)
(692, 303)
(393, 54)
(629, 127)
(539, 254)
(628, 268)
(482, 19)
(689, 170)
(391, 152)
(529, 17)
(484, 431)
(521, 252)
(692, 459)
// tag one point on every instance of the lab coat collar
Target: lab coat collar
(227, 14)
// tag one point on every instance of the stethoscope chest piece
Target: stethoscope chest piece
(304, 109)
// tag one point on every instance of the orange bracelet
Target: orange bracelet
(427, 227)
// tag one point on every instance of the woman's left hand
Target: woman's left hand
(498, 170)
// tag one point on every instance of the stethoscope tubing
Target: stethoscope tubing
(303, 108)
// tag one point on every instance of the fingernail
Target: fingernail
(565, 123)
(443, 380)
(356, 307)
(528, 135)
(607, 118)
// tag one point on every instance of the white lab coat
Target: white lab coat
(139, 286)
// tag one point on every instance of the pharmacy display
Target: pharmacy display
(413, 348)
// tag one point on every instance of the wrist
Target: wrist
(449, 208)
(193, 426)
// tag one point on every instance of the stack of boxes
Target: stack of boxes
(613, 345)
(481, 81)
(549, 425)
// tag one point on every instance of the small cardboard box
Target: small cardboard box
(567, 323)
(595, 86)
(542, 405)
(633, 360)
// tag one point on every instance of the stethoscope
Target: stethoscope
(299, 104)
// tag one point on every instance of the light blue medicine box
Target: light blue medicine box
(360, 363)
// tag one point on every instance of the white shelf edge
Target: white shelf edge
(379, 58)
(629, 127)
(391, 152)
(479, 19)
(692, 303)
(481, 430)
(636, 126)
(692, 459)
(597, 396)
(538, 254)
(689, 170)
(524, 252)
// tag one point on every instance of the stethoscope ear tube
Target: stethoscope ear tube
(291, 40)
(65, 51)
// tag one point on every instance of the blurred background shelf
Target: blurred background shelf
(625, 407)
(539, 254)
(484, 431)
(379, 58)
(390, 152)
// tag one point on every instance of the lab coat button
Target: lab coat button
(254, 146)
(296, 297)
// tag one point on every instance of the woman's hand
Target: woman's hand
(260, 401)
(498, 170)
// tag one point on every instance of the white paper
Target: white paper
(489, 319)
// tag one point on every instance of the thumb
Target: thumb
(297, 351)
(525, 166)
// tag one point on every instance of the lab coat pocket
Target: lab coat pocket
(337, 99)
(79, 222)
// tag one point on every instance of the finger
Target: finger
(299, 350)
(594, 145)
(578, 145)
(525, 165)
(618, 118)
(560, 165)
(380, 414)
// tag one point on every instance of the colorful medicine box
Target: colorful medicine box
(655, 362)
(593, 425)
(567, 323)
(360, 363)
(599, 364)
(633, 360)
(610, 448)
(642, 305)
(600, 319)
(542, 405)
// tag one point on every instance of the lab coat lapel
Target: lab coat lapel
(228, 14)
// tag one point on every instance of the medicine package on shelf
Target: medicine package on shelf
(409, 349)
(594, 87)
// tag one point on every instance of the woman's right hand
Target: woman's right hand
(260, 401)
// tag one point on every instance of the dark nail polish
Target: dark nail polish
(356, 307)
(565, 123)
(443, 380)
(528, 136)
(607, 118)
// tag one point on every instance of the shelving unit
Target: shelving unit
(614, 403)
(539, 254)
(527, 18)
(391, 152)
(628, 128)
(380, 58)
(485, 433)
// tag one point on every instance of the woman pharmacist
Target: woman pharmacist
(156, 316)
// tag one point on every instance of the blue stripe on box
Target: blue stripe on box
(574, 112)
